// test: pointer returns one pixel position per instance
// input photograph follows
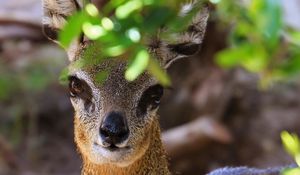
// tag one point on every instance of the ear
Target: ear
(186, 43)
(55, 16)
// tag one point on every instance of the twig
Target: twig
(15, 31)
(191, 136)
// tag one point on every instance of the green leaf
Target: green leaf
(134, 35)
(114, 51)
(93, 32)
(126, 9)
(72, 28)
(297, 159)
(290, 66)
(160, 74)
(273, 21)
(291, 143)
(291, 171)
(156, 17)
(107, 23)
(251, 57)
(63, 77)
(295, 37)
(111, 5)
(215, 1)
(138, 65)
(92, 10)
(229, 57)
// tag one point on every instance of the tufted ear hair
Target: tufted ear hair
(186, 43)
(55, 14)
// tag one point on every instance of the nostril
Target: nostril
(120, 137)
(124, 134)
(104, 133)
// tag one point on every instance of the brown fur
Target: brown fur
(143, 152)
(152, 162)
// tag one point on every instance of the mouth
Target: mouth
(112, 154)
(112, 148)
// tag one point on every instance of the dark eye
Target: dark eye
(150, 99)
(80, 89)
(76, 87)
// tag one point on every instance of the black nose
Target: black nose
(114, 129)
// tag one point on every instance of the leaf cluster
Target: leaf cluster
(260, 40)
(121, 28)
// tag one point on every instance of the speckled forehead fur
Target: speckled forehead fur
(115, 91)
(121, 92)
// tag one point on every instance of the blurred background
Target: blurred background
(240, 92)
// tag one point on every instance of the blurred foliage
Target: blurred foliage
(120, 29)
(32, 77)
(259, 39)
(19, 86)
(291, 143)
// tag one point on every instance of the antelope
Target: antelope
(116, 125)
(116, 122)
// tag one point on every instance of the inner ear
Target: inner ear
(50, 32)
(186, 49)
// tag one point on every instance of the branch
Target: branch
(191, 136)
(20, 19)
(16, 31)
